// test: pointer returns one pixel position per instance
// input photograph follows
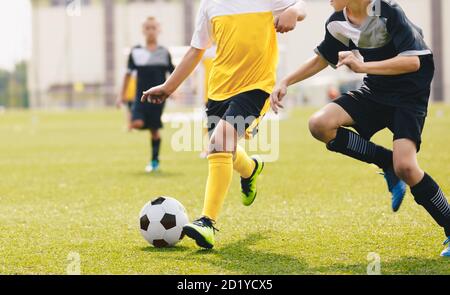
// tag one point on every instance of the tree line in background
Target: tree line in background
(13, 87)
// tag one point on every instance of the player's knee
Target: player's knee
(137, 124)
(406, 170)
(318, 126)
(221, 144)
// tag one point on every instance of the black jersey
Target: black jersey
(152, 67)
(385, 34)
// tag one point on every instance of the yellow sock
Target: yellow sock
(219, 180)
(243, 164)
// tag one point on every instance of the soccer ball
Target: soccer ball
(161, 222)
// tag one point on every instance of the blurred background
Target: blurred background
(73, 53)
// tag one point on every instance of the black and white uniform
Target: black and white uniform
(152, 68)
(396, 102)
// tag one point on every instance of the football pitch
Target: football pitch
(72, 185)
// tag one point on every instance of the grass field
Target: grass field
(74, 182)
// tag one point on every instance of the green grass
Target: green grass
(73, 182)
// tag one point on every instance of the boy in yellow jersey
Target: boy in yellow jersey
(127, 97)
(241, 79)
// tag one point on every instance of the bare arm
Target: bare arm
(394, 66)
(313, 66)
(160, 93)
(391, 67)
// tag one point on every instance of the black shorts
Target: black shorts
(244, 111)
(150, 113)
(371, 117)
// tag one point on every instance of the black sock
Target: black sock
(156, 144)
(355, 146)
(428, 194)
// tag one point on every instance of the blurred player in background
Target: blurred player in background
(395, 93)
(241, 80)
(152, 63)
(127, 98)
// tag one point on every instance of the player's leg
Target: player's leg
(326, 126)
(407, 128)
(137, 124)
(155, 138)
(229, 121)
(251, 106)
(129, 114)
(220, 171)
(425, 190)
(221, 149)
(153, 119)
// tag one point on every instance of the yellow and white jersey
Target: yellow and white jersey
(247, 49)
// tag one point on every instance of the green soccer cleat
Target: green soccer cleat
(202, 231)
(248, 185)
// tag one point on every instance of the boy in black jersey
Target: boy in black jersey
(152, 64)
(395, 93)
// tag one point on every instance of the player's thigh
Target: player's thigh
(331, 116)
(223, 138)
(407, 128)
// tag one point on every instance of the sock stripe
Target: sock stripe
(359, 145)
(352, 144)
(441, 203)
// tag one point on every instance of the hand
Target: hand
(286, 21)
(350, 60)
(156, 94)
(277, 96)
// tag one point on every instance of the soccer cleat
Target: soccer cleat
(248, 185)
(446, 252)
(202, 231)
(397, 188)
(153, 166)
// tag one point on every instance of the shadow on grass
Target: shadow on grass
(239, 257)
(403, 265)
(157, 174)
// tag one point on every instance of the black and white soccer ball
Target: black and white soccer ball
(161, 221)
